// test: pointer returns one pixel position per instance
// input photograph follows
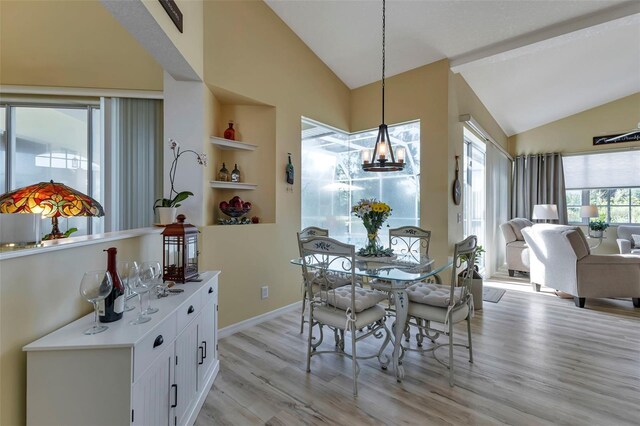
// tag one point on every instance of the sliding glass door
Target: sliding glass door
(475, 189)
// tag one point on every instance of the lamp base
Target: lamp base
(55, 231)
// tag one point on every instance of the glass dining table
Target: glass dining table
(394, 275)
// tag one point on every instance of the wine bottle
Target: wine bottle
(289, 171)
(223, 174)
(111, 308)
(235, 174)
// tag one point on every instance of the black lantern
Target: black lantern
(180, 248)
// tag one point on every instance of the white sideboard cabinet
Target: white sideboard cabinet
(157, 373)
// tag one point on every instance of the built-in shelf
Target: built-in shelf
(232, 145)
(232, 185)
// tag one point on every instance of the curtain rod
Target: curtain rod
(469, 120)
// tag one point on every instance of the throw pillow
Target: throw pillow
(636, 240)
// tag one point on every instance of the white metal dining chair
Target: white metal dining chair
(342, 308)
(308, 278)
(446, 304)
(410, 240)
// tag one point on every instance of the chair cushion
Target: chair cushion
(517, 224)
(438, 314)
(518, 244)
(578, 243)
(433, 294)
(338, 318)
(636, 240)
(364, 298)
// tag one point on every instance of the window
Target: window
(44, 143)
(475, 203)
(332, 179)
(65, 143)
(608, 180)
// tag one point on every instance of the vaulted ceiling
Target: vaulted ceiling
(530, 62)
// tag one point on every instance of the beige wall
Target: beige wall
(190, 41)
(71, 44)
(575, 133)
(268, 65)
(39, 294)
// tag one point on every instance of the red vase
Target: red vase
(230, 133)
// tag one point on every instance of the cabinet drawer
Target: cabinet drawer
(152, 346)
(209, 292)
(189, 310)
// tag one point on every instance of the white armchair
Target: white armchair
(625, 240)
(561, 259)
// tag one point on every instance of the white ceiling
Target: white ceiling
(529, 61)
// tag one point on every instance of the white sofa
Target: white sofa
(625, 241)
(561, 259)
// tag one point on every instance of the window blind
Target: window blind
(618, 169)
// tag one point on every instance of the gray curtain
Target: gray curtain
(137, 136)
(538, 179)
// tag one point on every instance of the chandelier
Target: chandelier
(382, 159)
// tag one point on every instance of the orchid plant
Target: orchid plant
(175, 200)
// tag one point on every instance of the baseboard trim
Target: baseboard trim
(248, 323)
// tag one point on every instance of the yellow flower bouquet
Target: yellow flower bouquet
(373, 214)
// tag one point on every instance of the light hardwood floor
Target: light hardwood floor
(538, 360)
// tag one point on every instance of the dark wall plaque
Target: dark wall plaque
(605, 140)
(173, 11)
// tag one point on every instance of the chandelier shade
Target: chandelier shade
(50, 199)
(383, 159)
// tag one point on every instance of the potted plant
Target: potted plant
(476, 279)
(597, 227)
(167, 208)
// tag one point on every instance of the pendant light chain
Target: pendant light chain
(383, 53)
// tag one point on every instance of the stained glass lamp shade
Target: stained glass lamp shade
(50, 199)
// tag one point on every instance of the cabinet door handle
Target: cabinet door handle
(175, 396)
(210, 290)
(190, 310)
(201, 355)
(159, 340)
(204, 343)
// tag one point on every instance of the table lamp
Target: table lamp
(589, 211)
(50, 199)
(545, 212)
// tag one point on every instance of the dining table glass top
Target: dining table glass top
(403, 267)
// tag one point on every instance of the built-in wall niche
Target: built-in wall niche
(253, 151)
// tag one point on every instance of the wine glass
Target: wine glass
(95, 287)
(157, 269)
(124, 268)
(137, 287)
(148, 280)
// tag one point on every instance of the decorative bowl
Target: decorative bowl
(235, 207)
(233, 212)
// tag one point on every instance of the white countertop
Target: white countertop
(120, 333)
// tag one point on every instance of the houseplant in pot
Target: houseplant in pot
(476, 279)
(167, 208)
(597, 227)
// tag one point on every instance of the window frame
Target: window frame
(586, 201)
(351, 141)
(10, 149)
